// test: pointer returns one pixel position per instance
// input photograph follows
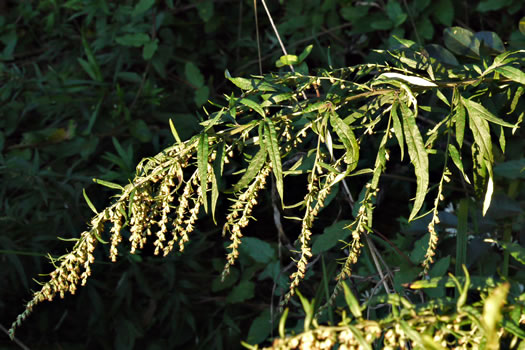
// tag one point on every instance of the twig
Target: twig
(257, 35)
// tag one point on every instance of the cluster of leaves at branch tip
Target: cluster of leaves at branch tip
(272, 123)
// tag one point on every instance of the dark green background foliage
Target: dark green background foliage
(86, 91)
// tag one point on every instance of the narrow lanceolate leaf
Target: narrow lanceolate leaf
(456, 158)
(482, 112)
(480, 129)
(218, 166)
(412, 80)
(253, 169)
(459, 121)
(91, 206)
(489, 191)
(108, 184)
(398, 131)
(351, 301)
(512, 73)
(253, 105)
(481, 132)
(175, 133)
(202, 165)
(275, 156)
(347, 137)
(418, 156)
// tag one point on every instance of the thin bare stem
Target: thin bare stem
(257, 35)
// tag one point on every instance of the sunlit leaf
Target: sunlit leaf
(347, 137)
(253, 105)
(398, 129)
(512, 73)
(412, 80)
(253, 169)
(91, 206)
(351, 301)
(202, 164)
(108, 184)
(456, 158)
(418, 156)
(275, 156)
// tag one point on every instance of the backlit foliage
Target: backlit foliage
(290, 124)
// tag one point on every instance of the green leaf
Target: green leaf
(140, 130)
(141, 7)
(412, 80)
(398, 130)
(229, 280)
(201, 95)
(202, 166)
(108, 184)
(193, 75)
(492, 312)
(260, 328)
(206, 9)
(91, 206)
(133, 40)
(249, 84)
(286, 60)
(481, 132)
(305, 53)
(351, 301)
(459, 121)
(253, 169)
(440, 268)
(149, 49)
(491, 40)
(282, 322)
(253, 105)
(492, 5)
(93, 64)
(418, 156)
(461, 41)
(521, 25)
(218, 166)
(444, 12)
(275, 156)
(175, 133)
(330, 236)
(479, 111)
(308, 308)
(347, 137)
(515, 250)
(259, 250)
(456, 158)
(395, 13)
(512, 169)
(512, 73)
(363, 344)
(441, 54)
(87, 68)
(241, 292)
(354, 13)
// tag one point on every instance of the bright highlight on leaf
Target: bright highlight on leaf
(407, 79)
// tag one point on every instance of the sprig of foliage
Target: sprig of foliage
(443, 324)
(271, 124)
